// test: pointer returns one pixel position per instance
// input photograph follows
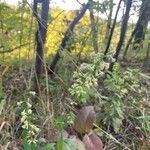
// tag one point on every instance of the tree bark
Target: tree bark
(122, 33)
(129, 42)
(40, 36)
(112, 29)
(67, 36)
(142, 25)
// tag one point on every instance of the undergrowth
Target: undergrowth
(120, 100)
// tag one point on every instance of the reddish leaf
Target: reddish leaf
(92, 142)
(85, 119)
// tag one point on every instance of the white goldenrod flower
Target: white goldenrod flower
(19, 103)
(29, 111)
(32, 93)
(23, 113)
(29, 105)
(23, 118)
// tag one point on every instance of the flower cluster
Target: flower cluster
(86, 78)
(29, 129)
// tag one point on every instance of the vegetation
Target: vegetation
(73, 79)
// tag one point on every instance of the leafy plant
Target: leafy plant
(86, 78)
(30, 130)
(122, 92)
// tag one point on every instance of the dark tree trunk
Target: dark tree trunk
(142, 25)
(129, 42)
(40, 35)
(94, 31)
(122, 33)
(135, 31)
(67, 36)
(112, 29)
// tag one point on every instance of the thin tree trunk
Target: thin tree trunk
(40, 37)
(129, 42)
(142, 25)
(67, 36)
(112, 29)
(94, 31)
(122, 33)
(21, 31)
(109, 21)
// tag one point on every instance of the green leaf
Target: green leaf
(117, 122)
(60, 122)
(49, 146)
(60, 142)
(29, 146)
(68, 144)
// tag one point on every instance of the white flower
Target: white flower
(29, 111)
(19, 103)
(23, 113)
(32, 93)
(29, 105)
(23, 118)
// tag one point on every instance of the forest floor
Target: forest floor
(16, 82)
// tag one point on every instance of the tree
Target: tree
(109, 21)
(142, 23)
(112, 29)
(67, 36)
(122, 33)
(40, 36)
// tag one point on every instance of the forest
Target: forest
(75, 79)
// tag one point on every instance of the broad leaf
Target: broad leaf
(92, 142)
(85, 119)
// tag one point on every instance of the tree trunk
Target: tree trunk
(122, 33)
(94, 31)
(112, 29)
(141, 16)
(40, 36)
(129, 42)
(109, 21)
(142, 25)
(67, 36)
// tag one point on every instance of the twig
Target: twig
(17, 47)
(111, 137)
